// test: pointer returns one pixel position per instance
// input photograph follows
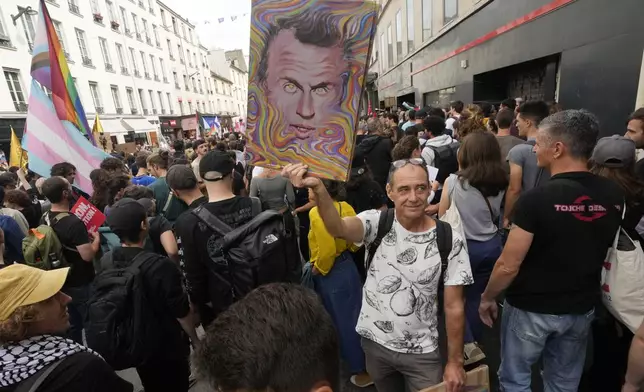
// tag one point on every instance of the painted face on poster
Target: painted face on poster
(307, 69)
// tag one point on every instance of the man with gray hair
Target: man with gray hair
(553, 258)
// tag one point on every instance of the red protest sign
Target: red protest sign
(91, 216)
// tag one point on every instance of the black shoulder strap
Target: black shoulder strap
(214, 223)
(142, 258)
(256, 206)
(33, 383)
(385, 222)
(444, 243)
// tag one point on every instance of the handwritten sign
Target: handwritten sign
(91, 216)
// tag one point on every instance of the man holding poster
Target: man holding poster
(308, 63)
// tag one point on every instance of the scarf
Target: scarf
(21, 360)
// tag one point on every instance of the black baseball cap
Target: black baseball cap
(215, 165)
(125, 216)
(181, 177)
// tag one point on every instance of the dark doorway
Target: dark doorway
(409, 98)
(531, 80)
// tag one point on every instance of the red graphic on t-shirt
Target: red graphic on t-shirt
(583, 209)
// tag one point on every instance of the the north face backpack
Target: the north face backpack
(445, 160)
(41, 247)
(264, 250)
(119, 323)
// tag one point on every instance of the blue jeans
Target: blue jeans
(526, 336)
(77, 309)
(341, 293)
(483, 256)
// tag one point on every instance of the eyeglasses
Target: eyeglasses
(403, 162)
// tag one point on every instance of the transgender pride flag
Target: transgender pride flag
(57, 129)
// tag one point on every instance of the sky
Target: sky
(205, 15)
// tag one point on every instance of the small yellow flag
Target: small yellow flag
(17, 156)
(97, 130)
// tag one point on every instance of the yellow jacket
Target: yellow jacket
(324, 248)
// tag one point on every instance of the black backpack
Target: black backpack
(264, 250)
(443, 241)
(445, 160)
(120, 321)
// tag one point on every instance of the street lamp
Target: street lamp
(21, 11)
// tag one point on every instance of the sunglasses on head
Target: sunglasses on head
(404, 162)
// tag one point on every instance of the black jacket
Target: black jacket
(377, 151)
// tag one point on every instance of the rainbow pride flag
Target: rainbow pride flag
(56, 129)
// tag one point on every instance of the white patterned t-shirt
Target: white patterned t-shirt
(399, 300)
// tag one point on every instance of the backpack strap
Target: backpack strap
(385, 222)
(215, 224)
(256, 206)
(444, 242)
(39, 377)
(167, 204)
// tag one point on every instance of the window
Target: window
(133, 60)
(27, 22)
(96, 97)
(181, 58)
(73, 7)
(399, 38)
(383, 51)
(190, 36)
(116, 97)
(76, 87)
(143, 103)
(135, 22)
(410, 25)
(121, 57)
(151, 6)
(59, 32)
(15, 89)
(183, 27)
(126, 25)
(130, 99)
(106, 53)
(170, 49)
(145, 31)
(155, 31)
(160, 98)
(189, 58)
(427, 19)
(110, 11)
(450, 10)
(154, 106)
(194, 57)
(176, 79)
(162, 67)
(163, 18)
(170, 102)
(145, 65)
(390, 48)
(95, 8)
(174, 26)
(82, 44)
(154, 68)
(4, 35)
(185, 82)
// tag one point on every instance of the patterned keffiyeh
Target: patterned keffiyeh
(21, 360)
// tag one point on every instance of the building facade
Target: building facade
(579, 53)
(239, 75)
(134, 62)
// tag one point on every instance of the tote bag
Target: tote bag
(452, 216)
(623, 280)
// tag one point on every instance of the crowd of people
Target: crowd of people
(450, 218)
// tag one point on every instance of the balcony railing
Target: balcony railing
(115, 25)
(124, 71)
(73, 8)
(158, 44)
(119, 110)
(141, 4)
(100, 110)
(176, 85)
(171, 111)
(145, 111)
(151, 10)
(187, 88)
(137, 73)
(134, 110)
(190, 64)
(128, 32)
(154, 111)
(5, 42)
(156, 78)
(109, 68)
(162, 111)
(183, 62)
(194, 89)
(21, 107)
(98, 18)
(171, 57)
(138, 36)
(87, 62)
(165, 80)
(54, 2)
(200, 91)
(148, 41)
(147, 75)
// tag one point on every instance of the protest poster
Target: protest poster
(91, 216)
(308, 62)
(477, 380)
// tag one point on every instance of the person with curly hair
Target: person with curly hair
(33, 321)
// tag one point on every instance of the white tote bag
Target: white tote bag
(623, 280)
(452, 216)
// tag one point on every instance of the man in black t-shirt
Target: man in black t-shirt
(635, 132)
(200, 245)
(166, 366)
(551, 264)
(80, 248)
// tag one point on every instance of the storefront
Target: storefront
(170, 127)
